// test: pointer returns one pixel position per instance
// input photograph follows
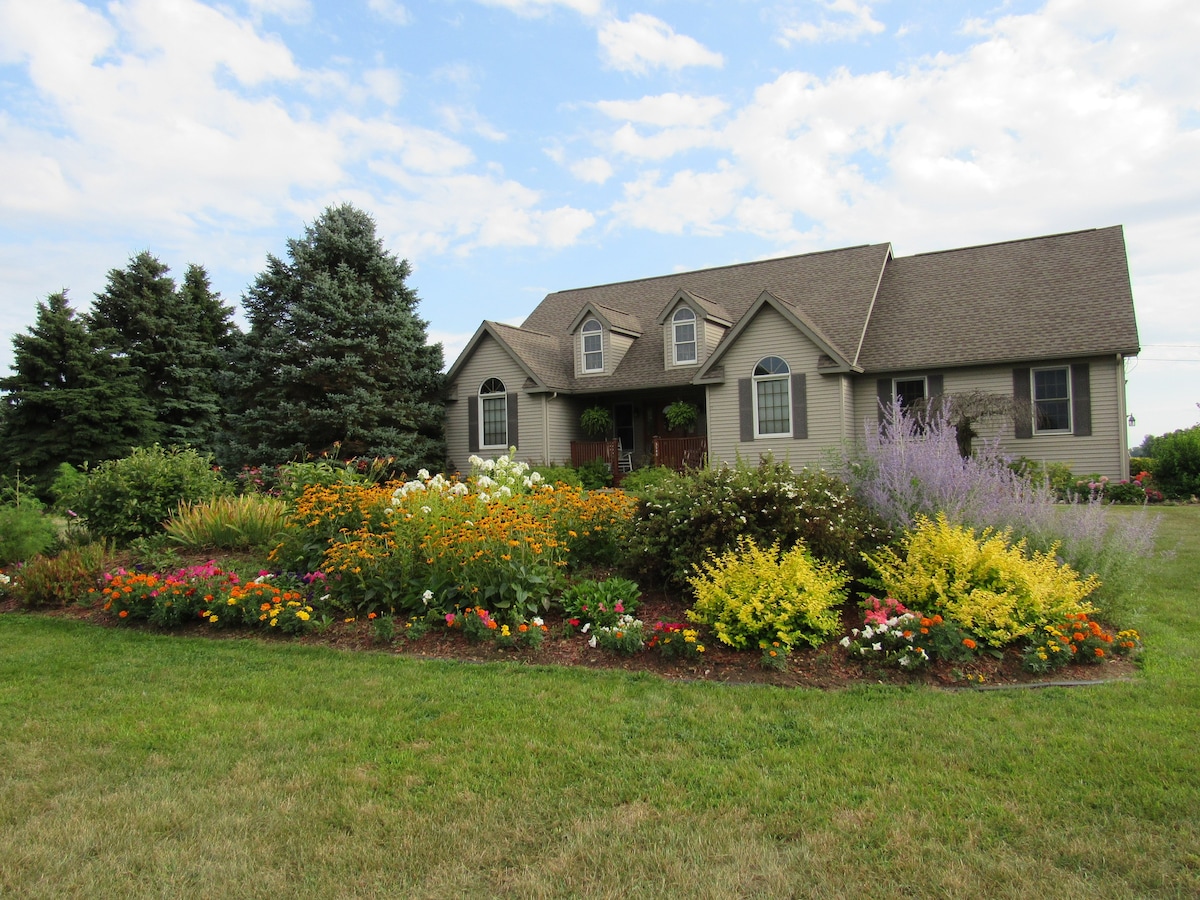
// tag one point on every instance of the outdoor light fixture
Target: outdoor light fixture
(1132, 420)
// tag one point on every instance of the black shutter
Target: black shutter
(883, 390)
(510, 405)
(1081, 400)
(746, 409)
(1023, 418)
(799, 407)
(473, 423)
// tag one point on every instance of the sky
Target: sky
(510, 148)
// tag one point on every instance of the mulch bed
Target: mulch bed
(825, 667)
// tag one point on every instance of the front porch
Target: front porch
(678, 453)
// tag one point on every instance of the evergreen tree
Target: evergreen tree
(336, 359)
(65, 401)
(172, 339)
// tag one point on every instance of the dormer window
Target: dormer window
(683, 324)
(592, 338)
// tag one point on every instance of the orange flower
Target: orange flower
(1099, 652)
(969, 644)
(123, 613)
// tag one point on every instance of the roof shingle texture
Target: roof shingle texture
(834, 289)
(1020, 301)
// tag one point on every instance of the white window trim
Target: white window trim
(584, 334)
(755, 381)
(495, 395)
(1069, 398)
(695, 341)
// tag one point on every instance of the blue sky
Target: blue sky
(509, 148)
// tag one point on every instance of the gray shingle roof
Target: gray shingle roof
(1040, 298)
(833, 288)
(1052, 297)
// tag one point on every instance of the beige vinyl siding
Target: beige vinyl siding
(615, 347)
(562, 426)
(712, 336)
(490, 360)
(1104, 452)
(769, 334)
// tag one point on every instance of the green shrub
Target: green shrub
(1141, 464)
(62, 579)
(600, 602)
(749, 596)
(559, 475)
(1177, 463)
(710, 509)
(123, 499)
(247, 522)
(594, 474)
(987, 585)
(295, 478)
(649, 480)
(25, 531)
(1055, 475)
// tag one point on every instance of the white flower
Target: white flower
(475, 461)
(868, 633)
(586, 628)
(904, 660)
(423, 474)
(537, 620)
(877, 647)
(484, 482)
(389, 511)
(504, 491)
(426, 597)
(485, 497)
(426, 510)
(536, 477)
(592, 641)
(845, 642)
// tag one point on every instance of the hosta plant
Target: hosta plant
(599, 602)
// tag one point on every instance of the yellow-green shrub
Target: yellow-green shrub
(990, 586)
(750, 594)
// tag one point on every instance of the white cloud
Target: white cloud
(665, 110)
(385, 85)
(390, 11)
(293, 11)
(467, 118)
(541, 7)
(855, 21)
(644, 42)
(593, 170)
(689, 201)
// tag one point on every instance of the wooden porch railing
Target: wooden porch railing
(680, 453)
(586, 451)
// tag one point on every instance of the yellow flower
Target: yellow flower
(212, 618)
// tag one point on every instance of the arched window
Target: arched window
(772, 398)
(683, 323)
(493, 414)
(592, 337)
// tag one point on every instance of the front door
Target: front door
(623, 416)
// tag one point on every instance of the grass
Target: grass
(138, 764)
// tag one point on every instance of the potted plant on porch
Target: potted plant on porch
(596, 421)
(681, 415)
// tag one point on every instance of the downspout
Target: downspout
(1122, 427)
(546, 426)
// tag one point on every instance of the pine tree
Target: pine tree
(173, 339)
(336, 359)
(65, 401)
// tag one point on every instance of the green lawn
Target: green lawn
(143, 765)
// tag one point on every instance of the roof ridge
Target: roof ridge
(520, 328)
(754, 262)
(1040, 237)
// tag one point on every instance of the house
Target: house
(792, 356)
